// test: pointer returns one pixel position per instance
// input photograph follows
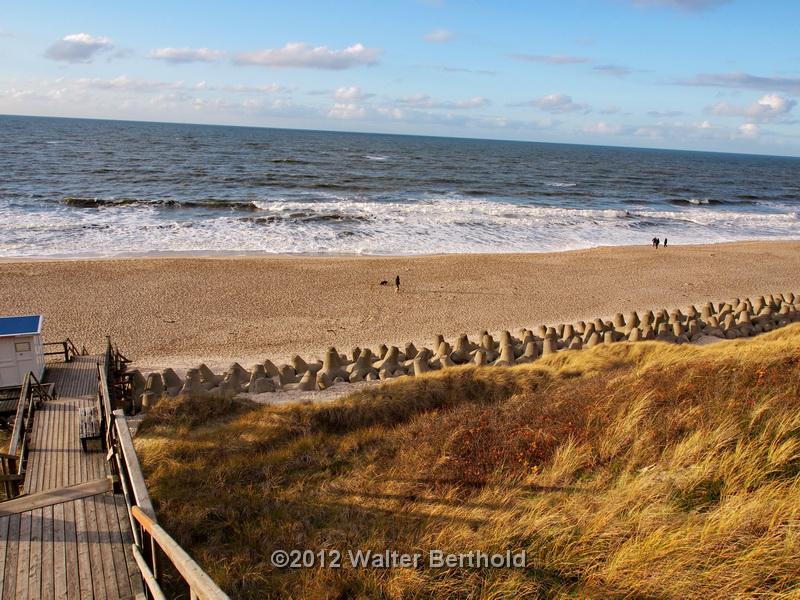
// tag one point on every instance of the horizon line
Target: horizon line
(422, 135)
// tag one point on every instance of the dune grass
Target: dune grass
(629, 470)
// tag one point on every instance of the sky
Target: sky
(719, 75)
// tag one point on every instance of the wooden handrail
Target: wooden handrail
(138, 488)
(149, 538)
(68, 349)
(105, 400)
(147, 575)
(200, 584)
(19, 420)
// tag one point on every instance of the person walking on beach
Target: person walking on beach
(397, 283)
(665, 242)
(655, 242)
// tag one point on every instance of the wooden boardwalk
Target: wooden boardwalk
(68, 536)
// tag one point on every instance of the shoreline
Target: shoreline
(257, 254)
(179, 311)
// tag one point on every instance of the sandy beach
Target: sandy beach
(180, 311)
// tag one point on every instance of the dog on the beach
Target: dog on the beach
(384, 282)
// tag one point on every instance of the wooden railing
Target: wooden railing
(14, 462)
(10, 476)
(68, 350)
(151, 543)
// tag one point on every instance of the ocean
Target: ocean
(74, 187)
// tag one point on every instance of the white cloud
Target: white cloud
(558, 103)
(603, 128)
(769, 107)
(302, 56)
(124, 83)
(749, 130)
(78, 48)
(682, 131)
(551, 59)
(609, 110)
(392, 112)
(439, 36)
(269, 88)
(347, 110)
(186, 55)
(130, 85)
(350, 93)
(744, 81)
(425, 101)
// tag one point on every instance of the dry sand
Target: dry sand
(180, 311)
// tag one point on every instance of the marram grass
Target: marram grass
(626, 471)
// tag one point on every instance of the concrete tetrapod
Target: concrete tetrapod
(172, 383)
(361, 369)
(330, 366)
(507, 357)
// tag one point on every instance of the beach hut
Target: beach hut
(21, 349)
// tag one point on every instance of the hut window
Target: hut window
(22, 346)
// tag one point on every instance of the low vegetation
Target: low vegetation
(630, 470)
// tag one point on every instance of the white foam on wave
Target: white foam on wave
(560, 184)
(378, 158)
(339, 224)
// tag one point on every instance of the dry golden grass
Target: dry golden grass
(630, 470)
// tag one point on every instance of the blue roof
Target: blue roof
(29, 325)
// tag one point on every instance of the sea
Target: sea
(78, 187)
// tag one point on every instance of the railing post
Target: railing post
(154, 559)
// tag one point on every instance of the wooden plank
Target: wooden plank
(71, 552)
(35, 560)
(123, 518)
(59, 553)
(84, 556)
(12, 555)
(71, 445)
(80, 458)
(59, 464)
(104, 545)
(4, 525)
(50, 497)
(23, 558)
(99, 574)
(48, 564)
(117, 546)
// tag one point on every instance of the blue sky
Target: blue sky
(695, 74)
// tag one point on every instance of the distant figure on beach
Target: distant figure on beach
(665, 242)
(397, 283)
(656, 243)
